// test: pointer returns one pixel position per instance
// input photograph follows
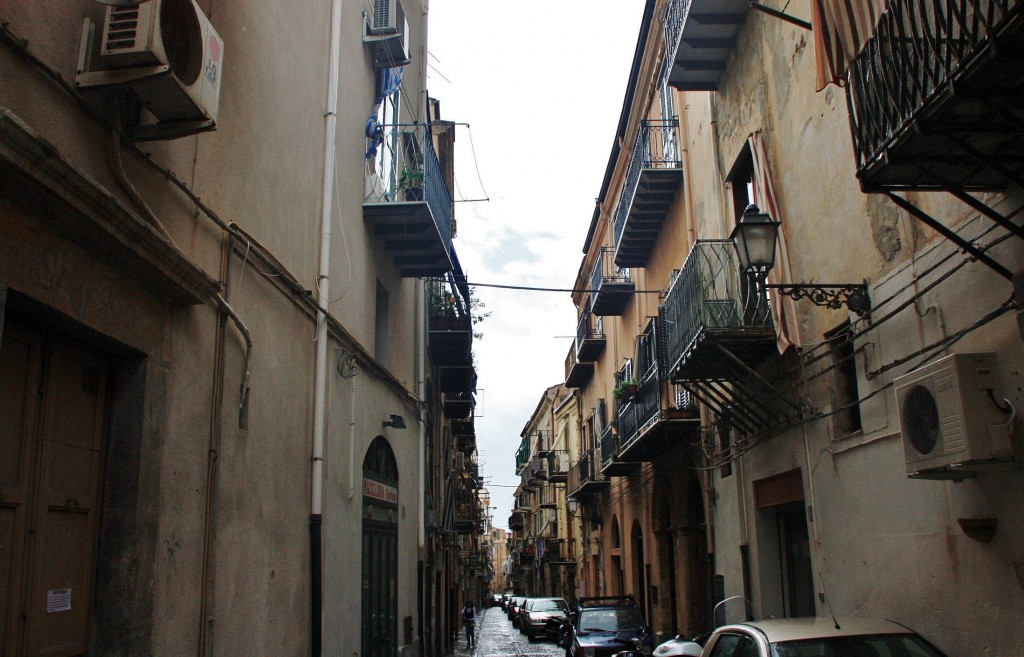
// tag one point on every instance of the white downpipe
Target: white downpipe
(352, 442)
(323, 279)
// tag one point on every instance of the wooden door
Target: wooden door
(53, 401)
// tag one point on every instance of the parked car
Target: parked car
(601, 627)
(513, 609)
(534, 615)
(494, 600)
(679, 646)
(505, 597)
(856, 637)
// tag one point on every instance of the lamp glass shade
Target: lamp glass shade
(754, 238)
(572, 506)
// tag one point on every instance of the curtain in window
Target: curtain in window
(389, 81)
(787, 326)
(841, 28)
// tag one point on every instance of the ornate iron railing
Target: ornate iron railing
(407, 162)
(643, 407)
(709, 294)
(590, 326)
(606, 271)
(916, 53)
(675, 19)
(609, 446)
(656, 147)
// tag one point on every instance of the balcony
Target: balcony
(651, 421)
(612, 463)
(522, 454)
(577, 374)
(557, 471)
(590, 340)
(542, 443)
(585, 478)
(408, 203)
(935, 97)
(516, 521)
(560, 552)
(458, 405)
(466, 511)
(652, 181)
(713, 323)
(450, 327)
(612, 287)
(699, 35)
(464, 431)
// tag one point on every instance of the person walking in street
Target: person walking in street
(469, 620)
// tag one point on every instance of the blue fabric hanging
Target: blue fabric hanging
(389, 81)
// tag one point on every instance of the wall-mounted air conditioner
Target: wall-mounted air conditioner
(169, 54)
(387, 30)
(951, 422)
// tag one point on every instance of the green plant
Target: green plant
(625, 389)
(411, 176)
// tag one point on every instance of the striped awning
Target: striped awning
(841, 28)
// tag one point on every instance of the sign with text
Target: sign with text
(379, 491)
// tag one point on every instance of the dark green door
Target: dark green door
(380, 552)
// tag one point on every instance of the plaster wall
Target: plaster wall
(261, 169)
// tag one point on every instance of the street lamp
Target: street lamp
(573, 505)
(754, 238)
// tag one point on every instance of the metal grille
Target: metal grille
(920, 419)
(655, 148)
(708, 295)
(917, 51)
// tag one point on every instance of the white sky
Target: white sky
(541, 85)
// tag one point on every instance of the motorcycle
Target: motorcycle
(635, 651)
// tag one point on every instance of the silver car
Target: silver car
(535, 613)
(798, 637)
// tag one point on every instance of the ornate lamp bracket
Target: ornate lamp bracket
(853, 296)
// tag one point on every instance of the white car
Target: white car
(678, 647)
(818, 637)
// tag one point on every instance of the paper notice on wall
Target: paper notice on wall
(58, 600)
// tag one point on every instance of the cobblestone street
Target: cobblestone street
(497, 638)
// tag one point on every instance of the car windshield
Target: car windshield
(610, 620)
(548, 605)
(883, 645)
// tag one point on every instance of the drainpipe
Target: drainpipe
(713, 109)
(320, 389)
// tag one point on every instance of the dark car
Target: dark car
(505, 597)
(601, 627)
(534, 615)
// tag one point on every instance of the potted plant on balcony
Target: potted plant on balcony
(410, 180)
(625, 390)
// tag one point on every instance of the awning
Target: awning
(841, 29)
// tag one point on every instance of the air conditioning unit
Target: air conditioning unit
(170, 55)
(387, 30)
(951, 424)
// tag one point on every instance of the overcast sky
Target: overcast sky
(541, 86)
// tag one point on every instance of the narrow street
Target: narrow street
(497, 638)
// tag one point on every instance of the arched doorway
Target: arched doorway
(380, 551)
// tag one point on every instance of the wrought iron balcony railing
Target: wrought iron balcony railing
(652, 180)
(612, 286)
(585, 477)
(699, 35)
(577, 373)
(926, 96)
(409, 203)
(712, 316)
(590, 338)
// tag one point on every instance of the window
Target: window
(382, 319)
(845, 394)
